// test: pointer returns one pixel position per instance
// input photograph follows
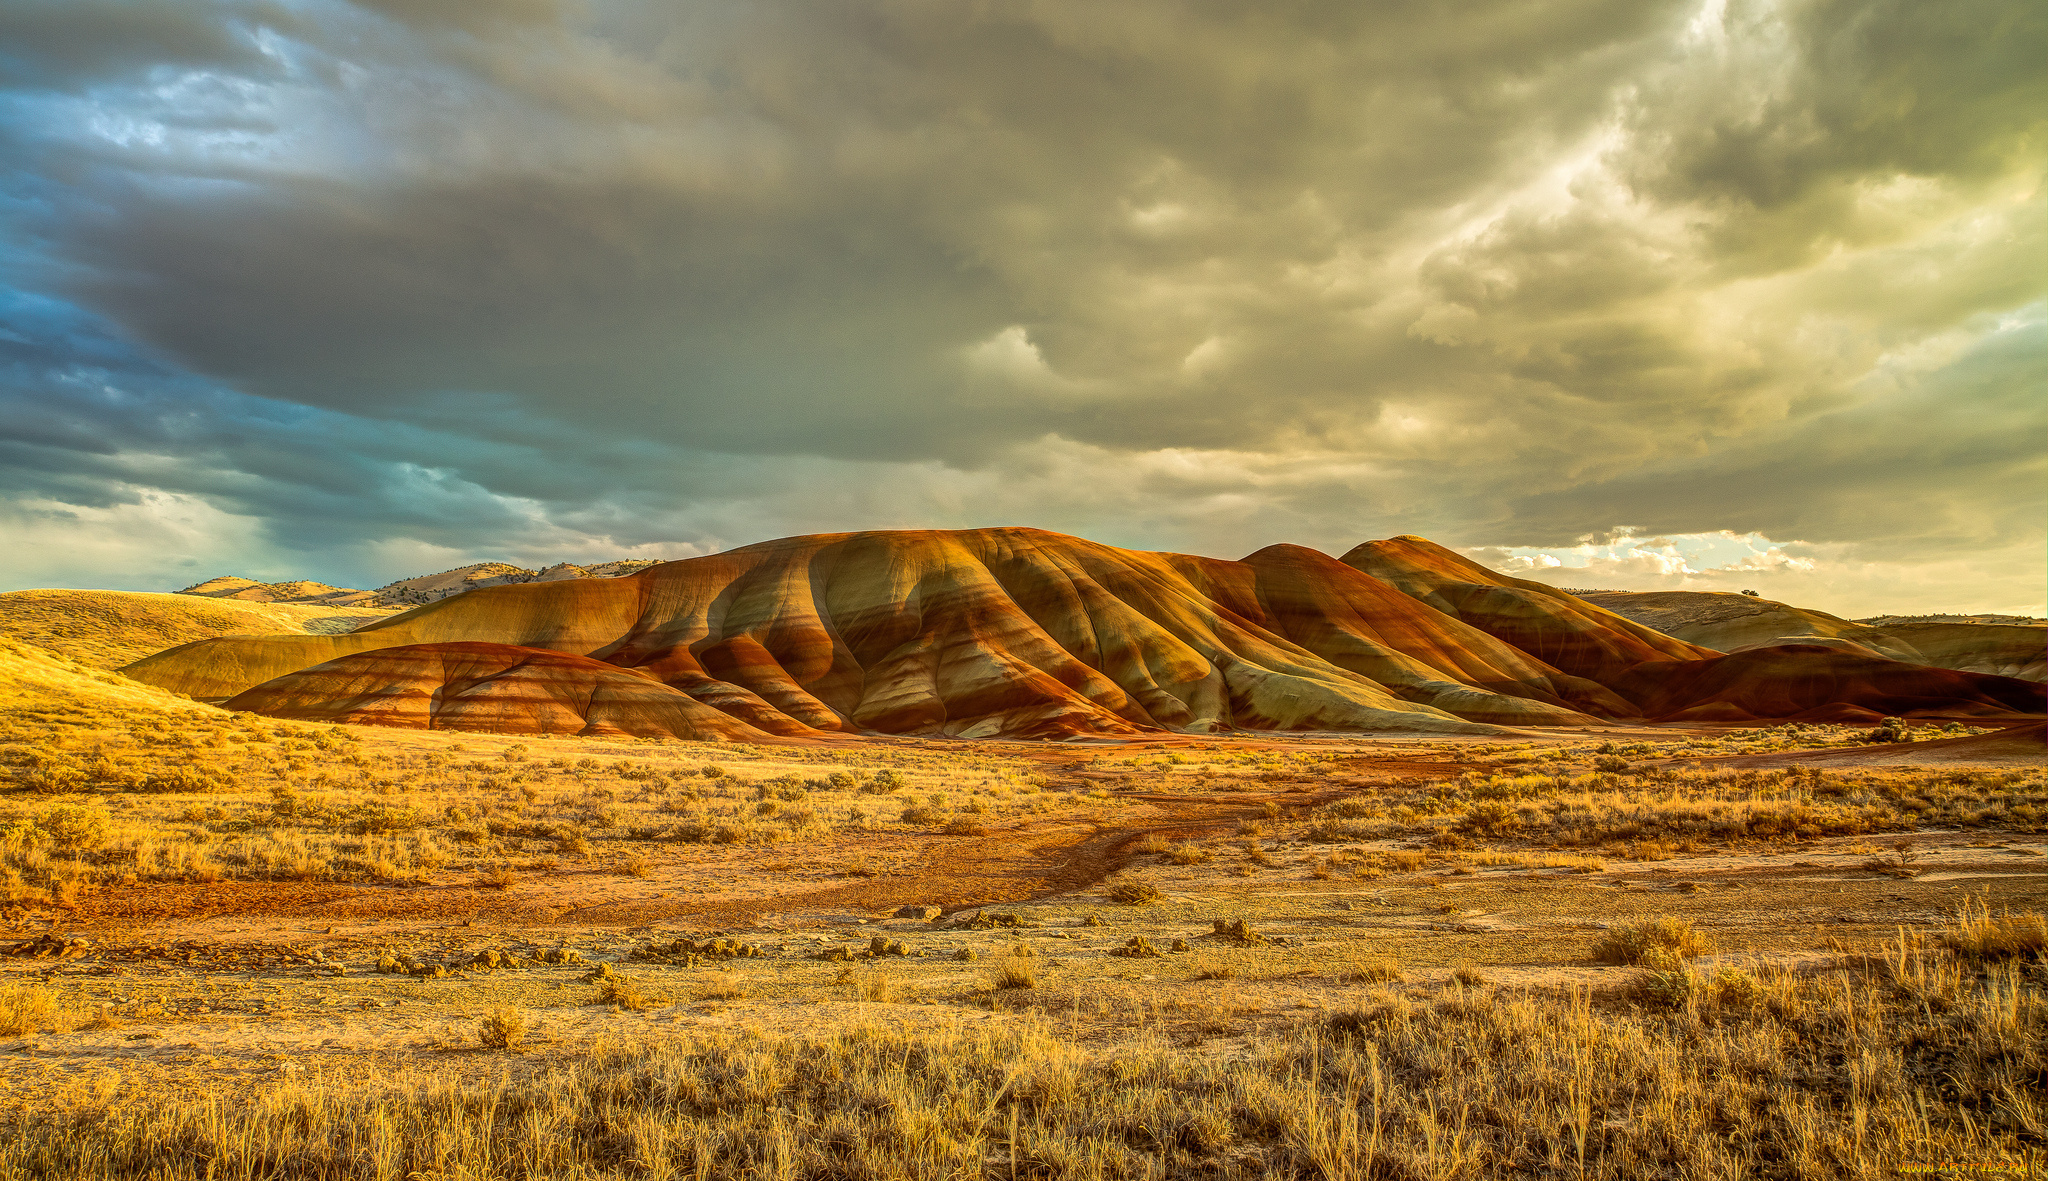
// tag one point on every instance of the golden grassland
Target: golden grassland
(106, 790)
(1297, 964)
(1932, 1052)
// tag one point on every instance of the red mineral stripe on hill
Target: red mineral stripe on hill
(496, 688)
(1562, 629)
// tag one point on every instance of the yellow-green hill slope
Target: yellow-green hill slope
(107, 629)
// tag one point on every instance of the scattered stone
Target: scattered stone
(559, 955)
(1138, 948)
(985, 921)
(687, 952)
(965, 955)
(926, 912)
(49, 946)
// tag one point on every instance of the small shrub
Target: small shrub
(501, 1029)
(1655, 943)
(499, 877)
(1735, 989)
(624, 992)
(1408, 860)
(1664, 990)
(1468, 976)
(639, 867)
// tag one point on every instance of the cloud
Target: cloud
(428, 278)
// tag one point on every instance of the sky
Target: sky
(1629, 295)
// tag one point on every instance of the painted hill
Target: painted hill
(406, 592)
(107, 629)
(1025, 633)
(2006, 646)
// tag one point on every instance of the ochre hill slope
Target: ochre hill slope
(1015, 632)
(107, 629)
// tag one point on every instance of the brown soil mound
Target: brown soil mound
(1027, 634)
(1811, 682)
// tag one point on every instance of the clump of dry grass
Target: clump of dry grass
(1378, 970)
(32, 1008)
(877, 988)
(1978, 935)
(1014, 971)
(1664, 942)
(1134, 893)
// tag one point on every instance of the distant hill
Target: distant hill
(2004, 645)
(107, 629)
(406, 592)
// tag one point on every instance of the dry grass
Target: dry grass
(30, 1009)
(1133, 893)
(1912, 1057)
(1014, 971)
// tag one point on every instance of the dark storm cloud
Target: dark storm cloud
(1508, 273)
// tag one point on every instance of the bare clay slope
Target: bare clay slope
(1012, 632)
(1831, 678)
(1732, 623)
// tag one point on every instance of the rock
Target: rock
(925, 912)
(1138, 948)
